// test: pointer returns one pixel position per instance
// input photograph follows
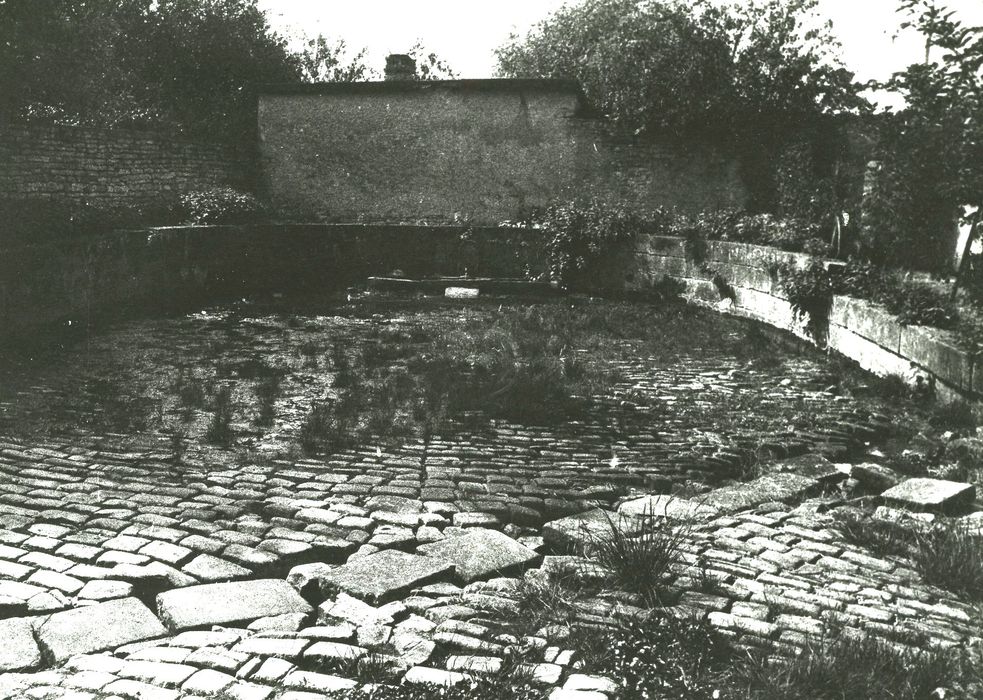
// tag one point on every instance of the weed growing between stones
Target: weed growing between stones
(267, 391)
(220, 427)
(947, 555)
(950, 556)
(849, 666)
(641, 562)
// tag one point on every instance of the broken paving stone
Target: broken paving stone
(481, 553)
(335, 651)
(874, 478)
(211, 569)
(19, 651)
(665, 506)
(305, 577)
(573, 532)
(96, 627)
(432, 676)
(783, 488)
(394, 504)
(353, 610)
(813, 466)
(385, 575)
(287, 622)
(105, 590)
(476, 519)
(934, 495)
(227, 603)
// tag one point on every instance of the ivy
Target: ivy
(810, 294)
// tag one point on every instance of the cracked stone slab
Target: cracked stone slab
(573, 532)
(765, 489)
(97, 627)
(226, 603)
(385, 575)
(665, 506)
(937, 495)
(481, 553)
(18, 651)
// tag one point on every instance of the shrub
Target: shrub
(580, 236)
(848, 666)
(221, 205)
(810, 293)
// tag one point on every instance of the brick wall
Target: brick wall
(111, 167)
(467, 150)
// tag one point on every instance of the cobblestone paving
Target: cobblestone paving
(89, 516)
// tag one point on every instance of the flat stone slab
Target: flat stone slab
(226, 603)
(18, 650)
(575, 531)
(813, 466)
(934, 495)
(97, 627)
(666, 506)
(385, 575)
(480, 553)
(765, 489)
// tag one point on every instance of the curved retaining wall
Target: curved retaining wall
(858, 329)
(67, 285)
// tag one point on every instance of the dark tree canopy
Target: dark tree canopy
(189, 64)
(667, 65)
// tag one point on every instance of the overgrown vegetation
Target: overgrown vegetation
(948, 555)
(220, 427)
(844, 665)
(581, 236)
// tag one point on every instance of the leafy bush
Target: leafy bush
(666, 657)
(581, 236)
(810, 293)
(221, 205)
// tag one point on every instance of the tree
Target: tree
(193, 65)
(321, 61)
(749, 77)
(930, 150)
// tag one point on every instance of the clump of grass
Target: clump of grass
(267, 391)
(641, 561)
(956, 415)
(849, 666)
(191, 391)
(882, 537)
(220, 427)
(950, 556)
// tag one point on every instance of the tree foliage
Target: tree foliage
(930, 150)
(668, 65)
(321, 61)
(190, 64)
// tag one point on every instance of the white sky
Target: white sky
(465, 32)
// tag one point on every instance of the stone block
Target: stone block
(96, 627)
(227, 603)
(932, 495)
(19, 651)
(666, 506)
(573, 532)
(868, 321)
(765, 489)
(385, 575)
(480, 554)
(931, 349)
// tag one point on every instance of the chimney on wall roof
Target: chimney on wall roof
(400, 66)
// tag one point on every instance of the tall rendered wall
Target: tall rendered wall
(447, 152)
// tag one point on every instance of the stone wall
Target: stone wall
(858, 330)
(469, 150)
(46, 290)
(112, 167)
